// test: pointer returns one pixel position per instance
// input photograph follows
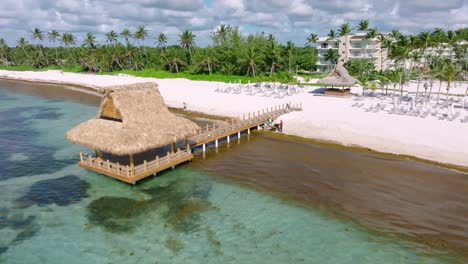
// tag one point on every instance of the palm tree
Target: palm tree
(89, 41)
(371, 34)
(207, 59)
(140, 34)
(383, 41)
(111, 37)
(187, 41)
(53, 36)
(161, 40)
(344, 31)
(332, 35)
(222, 33)
(290, 53)
(251, 59)
(274, 55)
(395, 34)
(174, 60)
(332, 56)
(22, 43)
(424, 39)
(452, 40)
(311, 39)
(126, 34)
(4, 55)
(449, 74)
(363, 25)
(68, 40)
(38, 35)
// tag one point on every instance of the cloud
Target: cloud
(287, 20)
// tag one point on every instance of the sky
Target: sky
(285, 19)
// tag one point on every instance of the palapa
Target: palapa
(131, 119)
(338, 77)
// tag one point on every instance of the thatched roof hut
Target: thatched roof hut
(339, 76)
(131, 119)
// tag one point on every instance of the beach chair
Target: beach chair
(454, 116)
(464, 120)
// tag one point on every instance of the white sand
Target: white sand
(325, 118)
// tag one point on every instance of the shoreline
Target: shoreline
(358, 130)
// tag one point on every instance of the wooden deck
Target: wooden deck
(132, 174)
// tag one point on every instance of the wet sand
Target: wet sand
(422, 202)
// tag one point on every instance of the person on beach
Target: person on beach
(280, 127)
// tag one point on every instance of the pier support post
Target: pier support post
(258, 127)
(248, 131)
(216, 143)
(238, 134)
(228, 139)
(204, 147)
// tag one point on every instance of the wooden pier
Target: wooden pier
(133, 173)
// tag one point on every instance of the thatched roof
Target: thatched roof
(339, 77)
(131, 119)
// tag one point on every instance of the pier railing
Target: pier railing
(131, 173)
(242, 122)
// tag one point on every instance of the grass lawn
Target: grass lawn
(201, 77)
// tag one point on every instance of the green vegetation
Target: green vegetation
(231, 56)
(161, 74)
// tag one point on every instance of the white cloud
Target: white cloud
(288, 20)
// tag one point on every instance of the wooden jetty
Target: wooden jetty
(111, 133)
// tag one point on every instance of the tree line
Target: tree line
(230, 53)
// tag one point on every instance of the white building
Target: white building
(355, 46)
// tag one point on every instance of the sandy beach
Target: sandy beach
(323, 118)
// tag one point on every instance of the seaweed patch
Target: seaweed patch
(25, 226)
(61, 191)
(18, 136)
(180, 204)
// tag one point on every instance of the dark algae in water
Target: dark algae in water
(17, 136)
(62, 191)
(180, 203)
(25, 227)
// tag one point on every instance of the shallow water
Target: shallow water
(229, 208)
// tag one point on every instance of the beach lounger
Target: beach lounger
(464, 120)
(454, 116)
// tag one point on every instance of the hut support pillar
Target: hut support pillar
(172, 147)
(131, 165)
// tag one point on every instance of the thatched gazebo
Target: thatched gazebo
(132, 121)
(338, 82)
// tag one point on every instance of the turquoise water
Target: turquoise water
(52, 211)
